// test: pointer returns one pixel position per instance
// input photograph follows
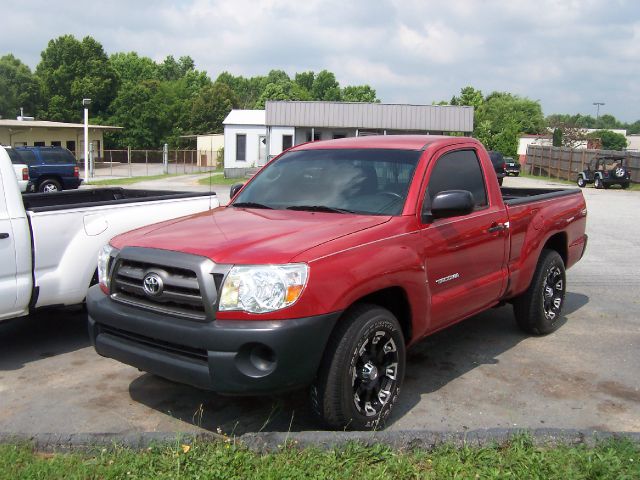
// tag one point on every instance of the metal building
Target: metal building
(254, 136)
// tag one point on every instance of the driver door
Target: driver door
(465, 257)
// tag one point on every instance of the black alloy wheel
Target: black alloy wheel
(362, 369)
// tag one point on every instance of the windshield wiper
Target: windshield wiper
(319, 208)
(250, 205)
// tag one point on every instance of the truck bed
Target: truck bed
(521, 196)
(48, 202)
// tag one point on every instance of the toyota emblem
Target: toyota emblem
(152, 284)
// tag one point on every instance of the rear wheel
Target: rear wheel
(49, 185)
(500, 181)
(362, 370)
(538, 309)
(581, 182)
(516, 174)
(624, 186)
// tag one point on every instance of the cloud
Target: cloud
(566, 53)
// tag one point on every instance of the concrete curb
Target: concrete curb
(273, 441)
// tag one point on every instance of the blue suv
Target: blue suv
(51, 169)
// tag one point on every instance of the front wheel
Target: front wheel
(581, 182)
(517, 174)
(598, 183)
(538, 309)
(362, 370)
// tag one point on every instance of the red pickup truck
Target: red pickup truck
(328, 264)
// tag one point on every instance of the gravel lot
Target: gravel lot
(482, 373)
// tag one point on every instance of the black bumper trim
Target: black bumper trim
(218, 355)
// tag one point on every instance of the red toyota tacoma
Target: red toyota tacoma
(326, 266)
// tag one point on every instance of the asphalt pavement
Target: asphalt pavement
(482, 373)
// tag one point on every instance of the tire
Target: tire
(350, 391)
(624, 186)
(49, 185)
(500, 180)
(538, 310)
(517, 174)
(598, 183)
(581, 182)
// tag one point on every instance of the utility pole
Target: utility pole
(597, 104)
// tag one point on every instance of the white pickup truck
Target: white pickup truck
(49, 243)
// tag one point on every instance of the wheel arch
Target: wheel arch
(394, 299)
(559, 243)
(47, 176)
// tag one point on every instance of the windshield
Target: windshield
(363, 181)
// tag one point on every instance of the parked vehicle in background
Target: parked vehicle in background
(328, 264)
(606, 170)
(49, 243)
(20, 169)
(51, 169)
(499, 165)
(512, 166)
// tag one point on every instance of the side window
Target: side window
(287, 142)
(458, 170)
(27, 156)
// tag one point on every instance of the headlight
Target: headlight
(263, 288)
(104, 256)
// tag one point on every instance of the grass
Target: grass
(130, 180)
(614, 459)
(218, 179)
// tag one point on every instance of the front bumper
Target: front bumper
(233, 357)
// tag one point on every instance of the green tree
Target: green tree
(305, 80)
(557, 137)
(18, 88)
(170, 69)
(610, 140)
(469, 96)
(246, 90)
(502, 117)
(325, 87)
(359, 93)
(71, 70)
(607, 121)
(210, 107)
(129, 67)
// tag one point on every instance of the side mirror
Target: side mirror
(452, 203)
(235, 188)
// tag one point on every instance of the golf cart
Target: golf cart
(606, 170)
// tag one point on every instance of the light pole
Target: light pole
(597, 104)
(86, 102)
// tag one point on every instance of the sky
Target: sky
(567, 54)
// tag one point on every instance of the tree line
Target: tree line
(160, 102)
(154, 102)
(501, 117)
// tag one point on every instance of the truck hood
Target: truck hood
(248, 236)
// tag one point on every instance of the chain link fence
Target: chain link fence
(137, 163)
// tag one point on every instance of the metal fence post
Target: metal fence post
(165, 158)
(129, 160)
(110, 163)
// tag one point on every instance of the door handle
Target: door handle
(3, 236)
(498, 227)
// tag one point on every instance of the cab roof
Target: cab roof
(395, 142)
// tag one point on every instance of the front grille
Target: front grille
(170, 347)
(180, 295)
